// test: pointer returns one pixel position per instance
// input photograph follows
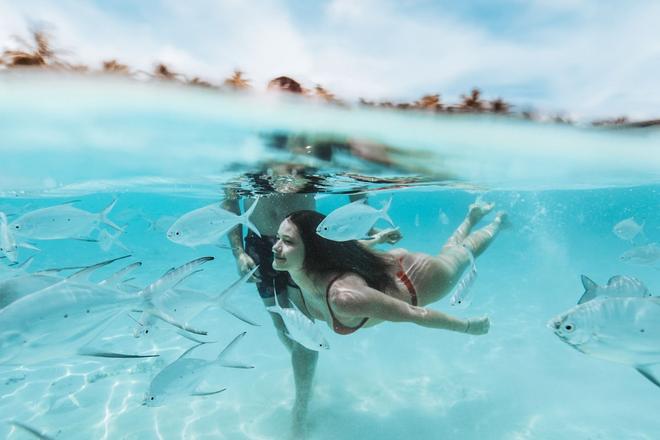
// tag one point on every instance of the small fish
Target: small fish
(647, 254)
(62, 222)
(35, 432)
(352, 221)
(461, 297)
(618, 285)
(628, 229)
(624, 330)
(169, 280)
(300, 328)
(207, 225)
(184, 375)
(8, 245)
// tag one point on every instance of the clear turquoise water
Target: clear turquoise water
(163, 151)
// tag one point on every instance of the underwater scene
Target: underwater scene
(125, 312)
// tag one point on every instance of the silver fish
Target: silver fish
(628, 229)
(647, 254)
(171, 278)
(34, 431)
(64, 318)
(461, 297)
(300, 328)
(183, 376)
(352, 221)
(207, 225)
(8, 246)
(181, 304)
(618, 285)
(62, 222)
(625, 330)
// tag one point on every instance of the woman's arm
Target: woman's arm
(364, 301)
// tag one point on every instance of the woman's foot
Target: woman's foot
(503, 219)
(479, 209)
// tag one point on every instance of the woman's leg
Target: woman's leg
(476, 212)
(445, 270)
(478, 241)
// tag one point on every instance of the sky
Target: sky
(579, 58)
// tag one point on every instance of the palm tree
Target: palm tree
(498, 105)
(161, 71)
(237, 81)
(325, 95)
(38, 54)
(472, 102)
(429, 102)
(197, 81)
(114, 66)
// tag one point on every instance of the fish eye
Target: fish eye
(18, 227)
(569, 327)
(152, 397)
(177, 233)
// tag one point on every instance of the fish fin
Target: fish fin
(170, 320)
(190, 350)
(110, 354)
(191, 338)
(209, 393)
(104, 216)
(172, 277)
(273, 309)
(588, 283)
(383, 212)
(614, 279)
(222, 357)
(83, 274)
(26, 245)
(644, 371)
(38, 434)
(245, 218)
(239, 315)
(588, 295)
(106, 240)
(589, 289)
(25, 264)
(116, 278)
(225, 294)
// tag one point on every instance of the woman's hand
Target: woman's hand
(390, 236)
(477, 326)
(245, 263)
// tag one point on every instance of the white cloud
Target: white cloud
(575, 55)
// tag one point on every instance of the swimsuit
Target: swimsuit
(260, 249)
(342, 329)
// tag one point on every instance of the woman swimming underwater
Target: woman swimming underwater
(350, 286)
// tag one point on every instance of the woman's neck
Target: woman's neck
(304, 280)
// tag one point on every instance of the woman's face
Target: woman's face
(288, 250)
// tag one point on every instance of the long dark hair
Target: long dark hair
(324, 256)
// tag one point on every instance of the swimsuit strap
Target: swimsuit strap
(337, 326)
(403, 276)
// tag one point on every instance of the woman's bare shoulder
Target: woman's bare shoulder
(347, 279)
(398, 252)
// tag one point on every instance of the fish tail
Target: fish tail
(106, 220)
(383, 212)
(224, 354)
(245, 218)
(106, 240)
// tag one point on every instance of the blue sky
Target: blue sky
(585, 58)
